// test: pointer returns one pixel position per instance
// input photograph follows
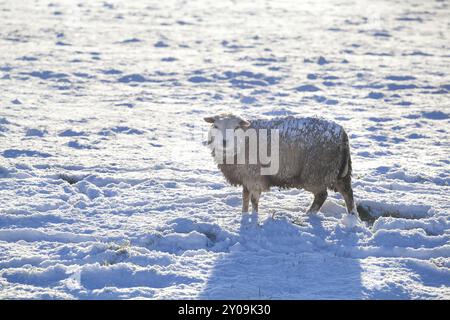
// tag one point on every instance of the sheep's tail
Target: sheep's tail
(346, 167)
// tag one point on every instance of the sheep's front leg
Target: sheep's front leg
(255, 200)
(245, 199)
(249, 219)
(319, 199)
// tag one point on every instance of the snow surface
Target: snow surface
(108, 191)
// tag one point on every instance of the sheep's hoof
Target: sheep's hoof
(351, 220)
(311, 212)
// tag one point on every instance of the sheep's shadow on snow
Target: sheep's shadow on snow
(280, 260)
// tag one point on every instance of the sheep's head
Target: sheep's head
(223, 126)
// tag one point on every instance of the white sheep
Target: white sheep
(312, 154)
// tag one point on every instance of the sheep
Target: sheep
(313, 154)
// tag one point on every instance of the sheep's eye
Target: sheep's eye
(215, 127)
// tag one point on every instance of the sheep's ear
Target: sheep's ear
(209, 119)
(244, 124)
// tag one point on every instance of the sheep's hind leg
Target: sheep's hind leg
(245, 199)
(345, 189)
(319, 199)
(351, 219)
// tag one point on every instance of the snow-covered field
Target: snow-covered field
(108, 191)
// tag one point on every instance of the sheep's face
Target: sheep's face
(221, 134)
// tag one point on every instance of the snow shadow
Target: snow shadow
(282, 260)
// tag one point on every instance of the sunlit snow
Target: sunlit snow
(107, 189)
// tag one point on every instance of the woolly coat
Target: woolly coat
(313, 154)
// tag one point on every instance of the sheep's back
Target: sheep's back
(310, 154)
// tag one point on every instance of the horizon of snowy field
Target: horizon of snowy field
(107, 190)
